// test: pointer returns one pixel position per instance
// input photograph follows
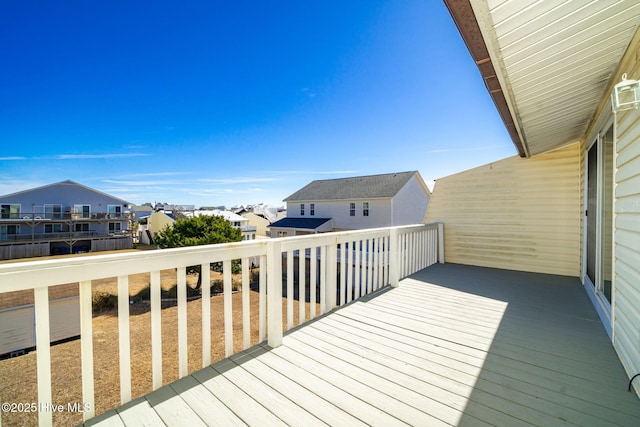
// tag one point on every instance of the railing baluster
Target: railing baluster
(262, 301)
(357, 281)
(348, 255)
(376, 270)
(323, 279)
(343, 269)
(43, 353)
(332, 276)
(183, 368)
(123, 339)
(205, 293)
(228, 314)
(290, 289)
(156, 329)
(367, 270)
(313, 272)
(302, 261)
(246, 314)
(86, 348)
(415, 252)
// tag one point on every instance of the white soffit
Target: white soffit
(554, 60)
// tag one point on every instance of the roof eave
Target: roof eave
(464, 17)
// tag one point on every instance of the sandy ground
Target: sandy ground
(18, 383)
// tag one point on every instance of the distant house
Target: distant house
(354, 203)
(237, 221)
(257, 221)
(62, 218)
(151, 224)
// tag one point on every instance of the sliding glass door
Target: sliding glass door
(599, 216)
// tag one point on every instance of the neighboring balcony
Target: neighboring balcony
(43, 216)
(389, 338)
(60, 236)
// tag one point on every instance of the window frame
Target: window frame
(79, 210)
(51, 212)
(54, 227)
(7, 211)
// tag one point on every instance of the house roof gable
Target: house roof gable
(63, 183)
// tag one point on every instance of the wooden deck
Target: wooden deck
(453, 345)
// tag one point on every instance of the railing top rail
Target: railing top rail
(345, 236)
(17, 276)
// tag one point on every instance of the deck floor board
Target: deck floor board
(452, 345)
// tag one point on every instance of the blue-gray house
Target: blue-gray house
(62, 218)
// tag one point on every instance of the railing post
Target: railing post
(441, 243)
(86, 348)
(394, 258)
(274, 293)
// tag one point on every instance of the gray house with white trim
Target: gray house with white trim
(62, 218)
(355, 203)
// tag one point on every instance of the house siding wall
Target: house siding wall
(379, 213)
(408, 208)
(626, 308)
(519, 214)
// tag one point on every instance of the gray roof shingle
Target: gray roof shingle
(307, 223)
(359, 187)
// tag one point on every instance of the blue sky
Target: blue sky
(224, 103)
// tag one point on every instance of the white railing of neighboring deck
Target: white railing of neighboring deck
(331, 269)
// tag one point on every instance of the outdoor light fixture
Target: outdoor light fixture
(625, 95)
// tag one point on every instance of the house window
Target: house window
(365, 208)
(9, 230)
(352, 209)
(53, 211)
(10, 211)
(82, 211)
(282, 234)
(115, 227)
(301, 209)
(53, 228)
(81, 227)
(312, 209)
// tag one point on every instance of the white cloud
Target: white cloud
(99, 156)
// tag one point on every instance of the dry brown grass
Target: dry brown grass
(18, 375)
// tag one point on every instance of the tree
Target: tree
(201, 230)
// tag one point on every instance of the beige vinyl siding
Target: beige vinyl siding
(626, 310)
(519, 214)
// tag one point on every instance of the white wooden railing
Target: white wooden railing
(343, 267)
